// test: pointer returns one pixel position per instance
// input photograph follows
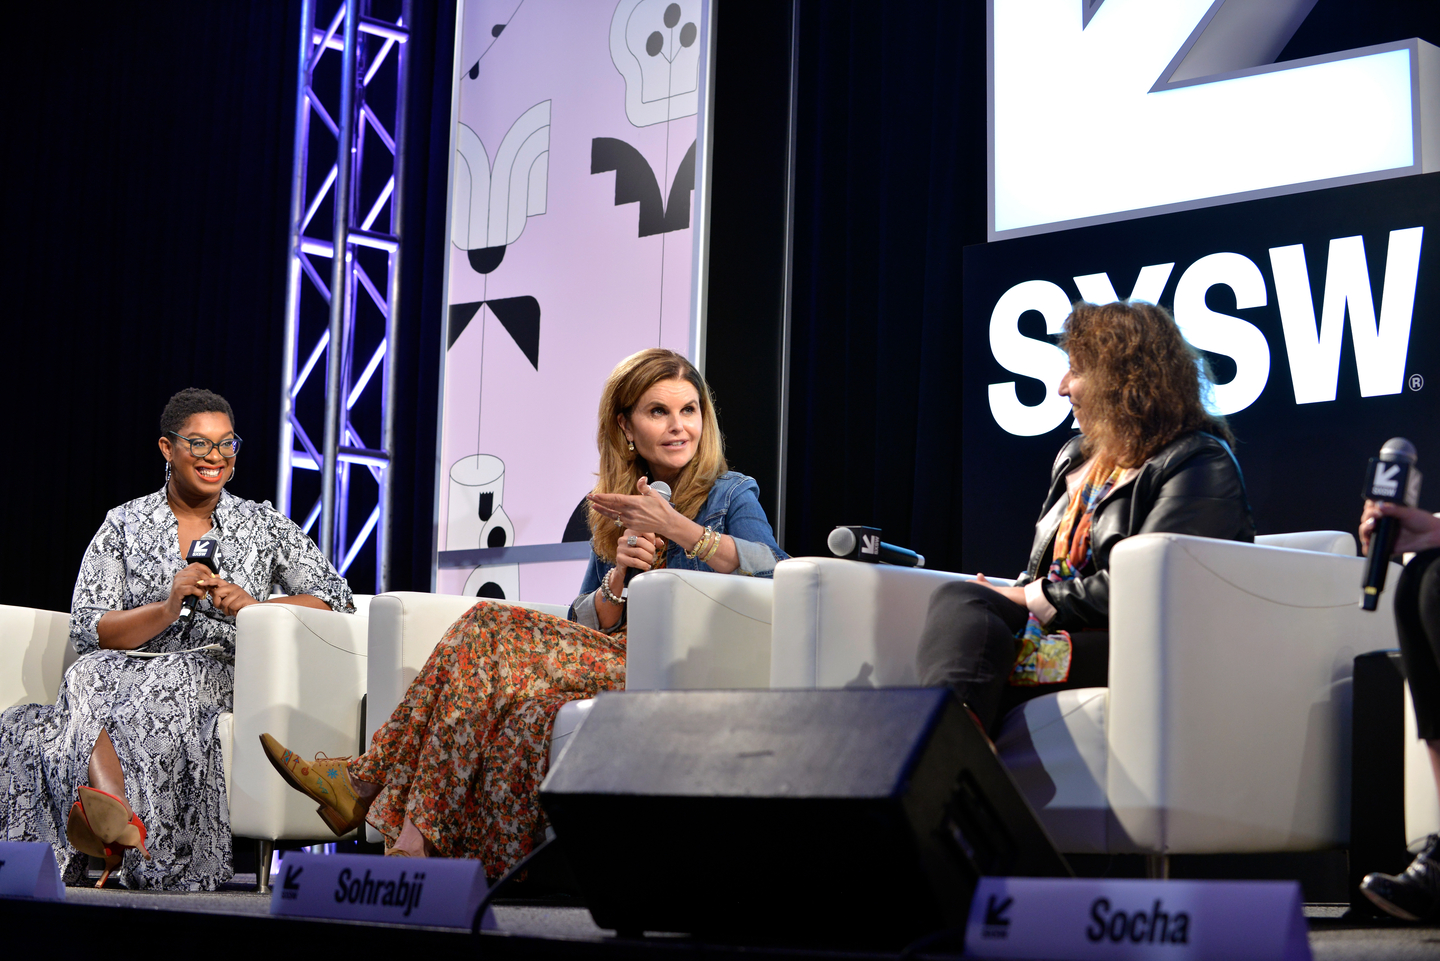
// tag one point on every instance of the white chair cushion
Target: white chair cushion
(34, 654)
(842, 623)
(1055, 748)
(691, 630)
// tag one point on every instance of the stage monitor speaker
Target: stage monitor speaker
(835, 816)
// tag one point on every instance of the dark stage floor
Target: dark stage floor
(240, 920)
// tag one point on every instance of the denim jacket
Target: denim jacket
(733, 508)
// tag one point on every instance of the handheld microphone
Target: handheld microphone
(202, 551)
(863, 544)
(1390, 477)
(663, 489)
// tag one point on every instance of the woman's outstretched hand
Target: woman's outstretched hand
(1016, 594)
(1419, 530)
(644, 511)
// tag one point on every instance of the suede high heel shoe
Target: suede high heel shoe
(103, 825)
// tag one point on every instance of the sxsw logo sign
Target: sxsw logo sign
(1106, 110)
(1113, 112)
(1378, 327)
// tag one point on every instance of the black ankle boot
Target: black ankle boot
(1414, 895)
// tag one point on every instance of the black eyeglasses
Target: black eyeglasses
(200, 447)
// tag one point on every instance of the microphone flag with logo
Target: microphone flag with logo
(859, 543)
(205, 551)
(1390, 477)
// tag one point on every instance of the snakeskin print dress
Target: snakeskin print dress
(161, 712)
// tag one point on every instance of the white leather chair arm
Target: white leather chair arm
(840, 622)
(299, 675)
(1229, 702)
(691, 630)
(34, 653)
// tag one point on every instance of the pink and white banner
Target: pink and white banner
(573, 228)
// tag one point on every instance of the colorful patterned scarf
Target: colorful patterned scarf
(1045, 658)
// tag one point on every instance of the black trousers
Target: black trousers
(969, 645)
(1417, 621)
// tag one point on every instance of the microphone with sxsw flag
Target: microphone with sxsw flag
(1390, 477)
(858, 543)
(205, 551)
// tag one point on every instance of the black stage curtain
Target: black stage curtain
(890, 185)
(146, 204)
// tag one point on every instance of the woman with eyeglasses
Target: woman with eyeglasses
(126, 764)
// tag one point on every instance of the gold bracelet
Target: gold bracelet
(714, 548)
(699, 543)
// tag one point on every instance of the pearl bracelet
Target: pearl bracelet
(608, 594)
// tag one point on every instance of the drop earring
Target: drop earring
(630, 443)
(167, 475)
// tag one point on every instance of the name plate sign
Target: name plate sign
(1086, 919)
(28, 870)
(435, 892)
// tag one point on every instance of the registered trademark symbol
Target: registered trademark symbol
(1416, 381)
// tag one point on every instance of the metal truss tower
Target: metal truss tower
(349, 166)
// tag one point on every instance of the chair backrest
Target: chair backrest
(697, 630)
(34, 653)
(842, 623)
(1326, 542)
(404, 628)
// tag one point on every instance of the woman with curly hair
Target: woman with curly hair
(456, 770)
(1149, 457)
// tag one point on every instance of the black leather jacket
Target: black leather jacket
(1192, 486)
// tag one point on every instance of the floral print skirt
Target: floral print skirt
(465, 752)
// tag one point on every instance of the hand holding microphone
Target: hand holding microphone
(203, 552)
(1392, 480)
(640, 515)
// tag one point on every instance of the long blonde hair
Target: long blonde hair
(621, 467)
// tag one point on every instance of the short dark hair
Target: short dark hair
(189, 402)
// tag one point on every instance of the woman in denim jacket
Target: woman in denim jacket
(456, 769)
(657, 424)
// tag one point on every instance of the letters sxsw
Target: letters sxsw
(1379, 327)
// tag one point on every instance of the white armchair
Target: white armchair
(1225, 724)
(299, 674)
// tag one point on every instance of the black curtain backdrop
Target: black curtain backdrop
(890, 186)
(146, 194)
(146, 200)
